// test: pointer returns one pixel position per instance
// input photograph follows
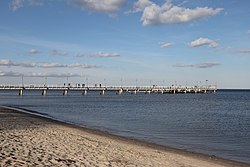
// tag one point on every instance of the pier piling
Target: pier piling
(102, 92)
(84, 93)
(20, 92)
(44, 92)
(65, 92)
(119, 92)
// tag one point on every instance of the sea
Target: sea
(214, 124)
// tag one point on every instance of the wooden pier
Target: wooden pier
(117, 89)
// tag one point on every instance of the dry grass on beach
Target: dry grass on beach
(28, 140)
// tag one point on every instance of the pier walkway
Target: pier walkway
(117, 89)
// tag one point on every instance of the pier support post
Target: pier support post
(65, 92)
(134, 92)
(84, 93)
(20, 92)
(119, 92)
(44, 92)
(102, 92)
(148, 92)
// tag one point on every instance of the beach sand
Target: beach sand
(30, 140)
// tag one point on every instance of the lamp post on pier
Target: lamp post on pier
(67, 78)
(206, 86)
(22, 81)
(175, 84)
(87, 81)
(45, 81)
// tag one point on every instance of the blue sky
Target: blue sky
(124, 42)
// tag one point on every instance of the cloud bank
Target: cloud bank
(245, 51)
(99, 54)
(54, 75)
(34, 51)
(102, 54)
(16, 4)
(199, 65)
(140, 5)
(9, 74)
(109, 7)
(153, 14)
(103, 6)
(55, 52)
(10, 63)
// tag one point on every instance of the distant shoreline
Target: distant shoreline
(42, 119)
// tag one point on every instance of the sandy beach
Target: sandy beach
(30, 140)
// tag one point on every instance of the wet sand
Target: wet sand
(31, 140)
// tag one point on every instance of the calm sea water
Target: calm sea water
(215, 124)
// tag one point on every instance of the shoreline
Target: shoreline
(129, 142)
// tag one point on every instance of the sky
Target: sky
(125, 42)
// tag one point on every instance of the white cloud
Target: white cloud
(78, 65)
(16, 4)
(35, 2)
(204, 41)
(248, 31)
(34, 51)
(81, 55)
(54, 75)
(50, 65)
(140, 5)
(4, 62)
(102, 54)
(9, 74)
(9, 63)
(58, 65)
(32, 74)
(55, 52)
(165, 44)
(199, 65)
(99, 54)
(168, 13)
(104, 6)
(245, 51)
